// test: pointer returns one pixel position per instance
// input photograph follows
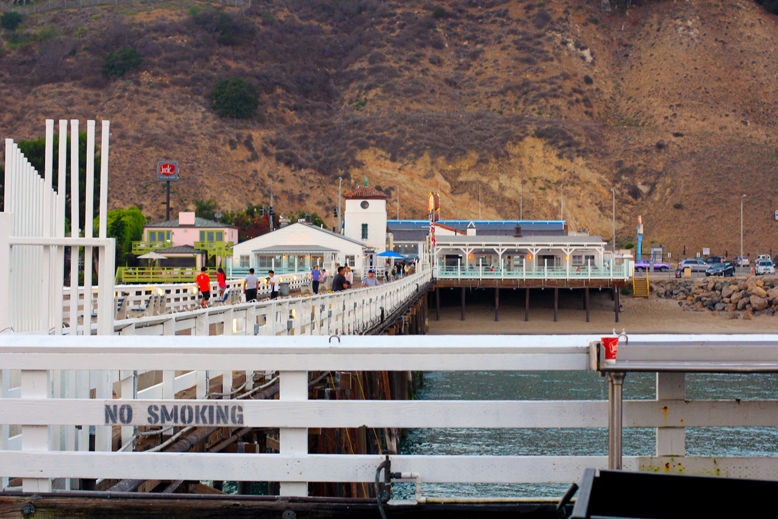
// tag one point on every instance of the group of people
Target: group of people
(399, 270)
(343, 280)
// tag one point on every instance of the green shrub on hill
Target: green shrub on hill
(119, 63)
(10, 20)
(235, 98)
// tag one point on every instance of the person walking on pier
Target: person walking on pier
(315, 275)
(221, 280)
(370, 280)
(339, 282)
(204, 284)
(272, 280)
(250, 286)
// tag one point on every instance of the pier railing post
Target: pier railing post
(293, 387)
(615, 385)
(671, 441)
(35, 385)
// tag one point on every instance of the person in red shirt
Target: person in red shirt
(204, 283)
(221, 280)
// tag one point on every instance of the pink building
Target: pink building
(185, 242)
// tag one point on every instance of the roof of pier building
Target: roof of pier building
(417, 230)
(545, 241)
(366, 193)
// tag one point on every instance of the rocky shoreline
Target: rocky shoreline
(733, 298)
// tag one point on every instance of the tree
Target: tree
(126, 226)
(10, 20)
(118, 64)
(206, 209)
(235, 98)
(315, 218)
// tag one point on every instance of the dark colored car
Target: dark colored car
(710, 260)
(721, 269)
(646, 265)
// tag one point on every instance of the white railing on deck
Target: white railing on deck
(45, 362)
(345, 313)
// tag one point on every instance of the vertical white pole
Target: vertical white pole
(88, 224)
(106, 132)
(6, 231)
(671, 441)
(35, 385)
(47, 291)
(74, 225)
(59, 278)
(293, 387)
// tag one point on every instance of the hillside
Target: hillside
(673, 104)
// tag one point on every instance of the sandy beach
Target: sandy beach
(637, 316)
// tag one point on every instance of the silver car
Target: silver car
(697, 265)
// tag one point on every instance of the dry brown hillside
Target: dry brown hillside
(672, 103)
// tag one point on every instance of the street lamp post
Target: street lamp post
(613, 236)
(561, 202)
(340, 219)
(741, 234)
(521, 200)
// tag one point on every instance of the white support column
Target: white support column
(59, 268)
(6, 230)
(293, 387)
(35, 385)
(74, 227)
(129, 392)
(670, 441)
(103, 384)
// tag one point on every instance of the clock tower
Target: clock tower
(365, 217)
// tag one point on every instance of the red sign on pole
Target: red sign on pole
(167, 171)
(432, 233)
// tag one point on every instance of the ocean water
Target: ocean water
(579, 385)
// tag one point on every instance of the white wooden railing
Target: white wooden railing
(178, 297)
(345, 313)
(47, 424)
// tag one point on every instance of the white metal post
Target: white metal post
(293, 387)
(74, 225)
(88, 224)
(671, 441)
(35, 385)
(59, 277)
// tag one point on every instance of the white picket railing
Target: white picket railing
(46, 361)
(174, 297)
(345, 313)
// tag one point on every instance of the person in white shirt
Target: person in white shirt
(349, 276)
(272, 280)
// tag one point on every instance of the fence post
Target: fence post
(671, 441)
(293, 387)
(35, 386)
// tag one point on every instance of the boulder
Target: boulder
(717, 287)
(743, 302)
(737, 296)
(730, 308)
(720, 307)
(728, 291)
(715, 300)
(772, 294)
(760, 283)
(747, 316)
(730, 315)
(758, 291)
(759, 303)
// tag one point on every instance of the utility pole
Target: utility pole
(741, 233)
(613, 236)
(561, 203)
(340, 216)
(271, 207)
(479, 200)
(521, 200)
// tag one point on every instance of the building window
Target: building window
(244, 261)
(219, 235)
(351, 261)
(580, 259)
(364, 231)
(159, 236)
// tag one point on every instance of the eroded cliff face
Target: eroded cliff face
(672, 104)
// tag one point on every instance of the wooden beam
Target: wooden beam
(463, 303)
(616, 303)
(526, 304)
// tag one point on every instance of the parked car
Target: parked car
(710, 260)
(764, 266)
(645, 264)
(721, 269)
(741, 262)
(697, 265)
